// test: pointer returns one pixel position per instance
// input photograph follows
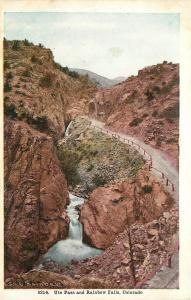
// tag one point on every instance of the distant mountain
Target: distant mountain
(101, 81)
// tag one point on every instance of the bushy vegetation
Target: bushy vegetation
(149, 95)
(7, 87)
(35, 60)
(40, 45)
(26, 42)
(145, 115)
(135, 122)
(46, 80)
(90, 167)
(168, 87)
(16, 45)
(155, 113)
(26, 73)
(156, 89)
(67, 71)
(69, 160)
(40, 123)
(5, 43)
(9, 75)
(99, 180)
(171, 112)
(147, 189)
(9, 110)
(6, 65)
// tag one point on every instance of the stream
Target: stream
(72, 248)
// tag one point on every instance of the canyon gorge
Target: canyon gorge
(91, 174)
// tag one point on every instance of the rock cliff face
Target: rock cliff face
(35, 196)
(146, 106)
(110, 209)
(39, 90)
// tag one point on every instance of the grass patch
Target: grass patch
(69, 160)
(135, 122)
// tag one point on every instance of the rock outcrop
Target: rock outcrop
(109, 209)
(146, 106)
(35, 196)
(40, 91)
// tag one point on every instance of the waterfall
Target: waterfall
(72, 248)
(67, 129)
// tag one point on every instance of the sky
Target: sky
(109, 44)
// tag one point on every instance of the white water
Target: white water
(72, 248)
(68, 129)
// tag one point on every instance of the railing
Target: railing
(147, 156)
(168, 182)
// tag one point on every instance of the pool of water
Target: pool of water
(71, 248)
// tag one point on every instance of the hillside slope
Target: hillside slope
(146, 106)
(40, 90)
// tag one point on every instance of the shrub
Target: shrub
(26, 42)
(99, 180)
(145, 115)
(155, 113)
(129, 100)
(46, 80)
(9, 75)
(9, 110)
(69, 160)
(6, 65)
(67, 71)
(168, 87)
(171, 112)
(149, 95)
(42, 123)
(26, 73)
(5, 43)
(156, 89)
(147, 189)
(16, 46)
(171, 141)
(135, 122)
(7, 87)
(34, 59)
(90, 167)
(73, 74)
